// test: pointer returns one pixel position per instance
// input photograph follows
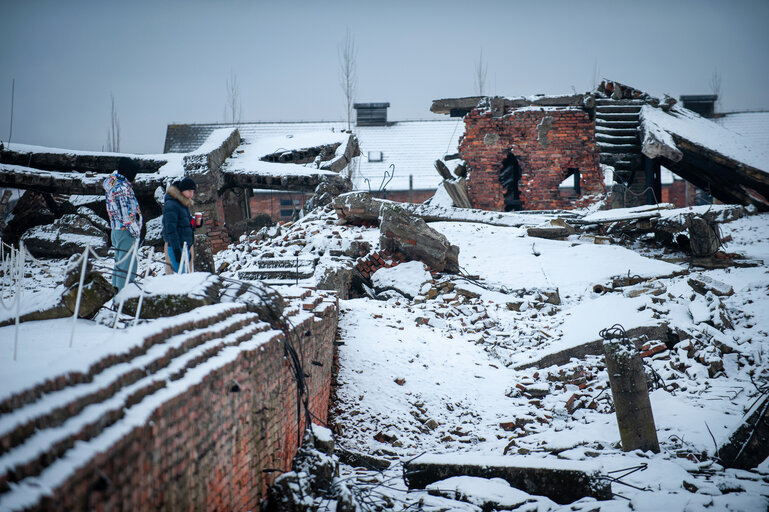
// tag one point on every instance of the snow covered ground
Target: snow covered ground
(438, 374)
(445, 372)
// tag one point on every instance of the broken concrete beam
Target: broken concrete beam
(550, 232)
(54, 182)
(631, 396)
(401, 232)
(457, 190)
(748, 445)
(359, 207)
(270, 176)
(561, 481)
(361, 460)
(443, 170)
(705, 284)
(638, 335)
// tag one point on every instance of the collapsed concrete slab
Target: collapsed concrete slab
(748, 445)
(561, 481)
(401, 232)
(638, 335)
(174, 294)
(66, 237)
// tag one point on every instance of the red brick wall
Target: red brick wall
(210, 448)
(571, 144)
(402, 196)
(271, 203)
(676, 193)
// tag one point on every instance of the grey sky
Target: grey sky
(169, 61)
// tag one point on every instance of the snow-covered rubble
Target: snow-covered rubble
(458, 364)
(437, 373)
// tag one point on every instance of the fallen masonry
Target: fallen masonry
(561, 481)
(748, 445)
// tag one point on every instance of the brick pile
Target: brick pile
(368, 265)
(544, 155)
(215, 445)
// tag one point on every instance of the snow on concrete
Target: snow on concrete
(516, 261)
(703, 132)
(408, 278)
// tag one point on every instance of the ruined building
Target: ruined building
(544, 152)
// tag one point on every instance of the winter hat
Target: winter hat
(186, 184)
(128, 168)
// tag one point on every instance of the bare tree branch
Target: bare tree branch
(715, 85)
(233, 109)
(348, 77)
(113, 132)
(480, 75)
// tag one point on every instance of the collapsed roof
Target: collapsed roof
(697, 149)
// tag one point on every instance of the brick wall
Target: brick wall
(219, 444)
(545, 141)
(274, 203)
(278, 205)
(417, 196)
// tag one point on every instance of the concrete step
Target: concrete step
(606, 147)
(285, 262)
(617, 139)
(616, 131)
(84, 417)
(626, 125)
(272, 274)
(617, 109)
(623, 116)
(635, 159)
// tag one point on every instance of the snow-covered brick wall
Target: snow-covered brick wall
(196, 416)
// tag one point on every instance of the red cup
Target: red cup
(198, 219)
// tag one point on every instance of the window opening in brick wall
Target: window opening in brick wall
(571, 181)
(509, 177)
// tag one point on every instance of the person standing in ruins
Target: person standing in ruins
(125, 220)
(179, 224)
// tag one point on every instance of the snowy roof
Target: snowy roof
(412, 146)
(753, 126)
(703, 132)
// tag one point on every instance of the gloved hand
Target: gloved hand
(177, 254)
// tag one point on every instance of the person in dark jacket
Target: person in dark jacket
(178, 223)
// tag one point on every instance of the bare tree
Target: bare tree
(480, 75)
(113, 132)
(233, 109)
(348, 73)
(715, 85)
(595, 74)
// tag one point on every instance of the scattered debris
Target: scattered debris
(561, 481)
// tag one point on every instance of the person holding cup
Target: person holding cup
(179, 225)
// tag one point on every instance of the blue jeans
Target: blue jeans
(123, 242)
(175, 264)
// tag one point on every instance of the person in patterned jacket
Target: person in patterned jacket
(125, 219)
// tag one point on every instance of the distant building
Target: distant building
(397, 159)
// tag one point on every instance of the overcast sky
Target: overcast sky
(169, 61)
